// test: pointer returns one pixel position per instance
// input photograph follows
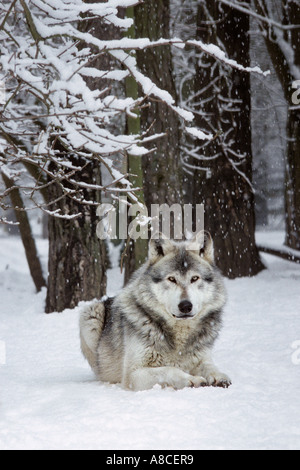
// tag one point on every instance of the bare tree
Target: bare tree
(280, 27)
(161, 169)
(25, 231)
(223, 176)
(283, 43)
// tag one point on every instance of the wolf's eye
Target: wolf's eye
(195, 279)
(172, 279)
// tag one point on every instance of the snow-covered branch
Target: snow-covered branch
(217, 53)
(52, 120)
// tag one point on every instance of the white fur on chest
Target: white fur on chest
(155, 350)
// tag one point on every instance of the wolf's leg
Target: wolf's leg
(145, 378)
(211, 373)
(91, 325)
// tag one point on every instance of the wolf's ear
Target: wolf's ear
(202, 244)
(159, 247)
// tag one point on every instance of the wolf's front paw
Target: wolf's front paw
(224, 383)
(187, 380)
(198, 381)
(219, 380)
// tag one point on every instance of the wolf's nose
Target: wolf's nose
(185, 306)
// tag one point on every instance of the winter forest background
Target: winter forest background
(93, 106)
(161, 101)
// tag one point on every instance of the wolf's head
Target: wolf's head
(184, 279)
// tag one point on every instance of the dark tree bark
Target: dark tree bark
(162, 168)
(292, 198)
(77, 258)
(284, 71)
(137, 251)
(26, 234)
(225, 107)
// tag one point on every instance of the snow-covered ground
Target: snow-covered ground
(49, 398)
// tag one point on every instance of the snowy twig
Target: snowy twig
(3, 220)
(264, 19)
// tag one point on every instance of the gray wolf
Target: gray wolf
(161, 327)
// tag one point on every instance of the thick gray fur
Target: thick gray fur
(160, 329)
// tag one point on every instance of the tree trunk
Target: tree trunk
(137, 251)
(162, 168)
(77, 258)
(225, 106)
(277, 51)
(292, 197)
(26, 234)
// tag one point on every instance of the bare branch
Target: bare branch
(260, 17)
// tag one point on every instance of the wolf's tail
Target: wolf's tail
(91, 324)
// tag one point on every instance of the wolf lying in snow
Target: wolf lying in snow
(161, 327)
